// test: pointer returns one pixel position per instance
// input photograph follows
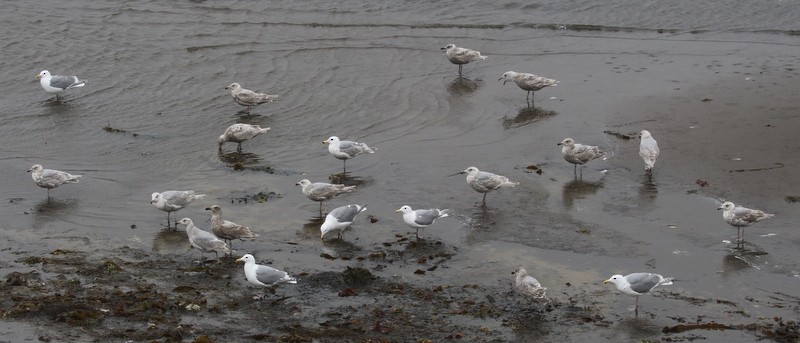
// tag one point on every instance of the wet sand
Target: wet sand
(723, 107)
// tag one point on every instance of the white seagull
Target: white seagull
(239, 133)
(528, 82)
(340, 219)
(485, 182)
(461, 56)
(321, 191)
(172, 201)
(226, 229)
(49, 178)
(248, 98)
(648, 150)
(740, 217)
(637, 284)
(203, 240)
(421, 218)
(57, 83)
(344, 150)
(579, 154)
(528, 286)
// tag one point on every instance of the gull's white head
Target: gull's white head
(247, 258)
(567, 142)
(234, 86)
(470, 171)
(727, 206)
(35, 168)
(617, 280)
(645, 134)
(449, 47)
(331, 140)
(405, 209)
(43, 74)
(507, 76)
(303, 182)
(155, 197)
(185, 221)
(214, 209)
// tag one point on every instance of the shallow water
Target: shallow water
(718, 88)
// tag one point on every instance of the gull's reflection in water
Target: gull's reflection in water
(461, 86)
(348, 180)
(238, 159)
(578, 189)
(527, 115)
(171, 241)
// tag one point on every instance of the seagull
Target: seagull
(49, 178)
(528, 82)
(346, 149)
(261, 275)
(528, 286)
(239, 133)
(421, 218)
(461, 56)
(204, 240)
(740, 217)
(172, 201)
(227, 230)
(485, 182)
(321, 191)
(340, 219)
(648, 150)
(57, 83)
(248, 98)
(637, 284)
(577, 153)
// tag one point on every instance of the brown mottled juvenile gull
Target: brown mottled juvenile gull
(227, 230)
(49, 178)
(648, 150)
(239, 133)
(248, 98)
(172, 201)
(528, 286)
(344, 150)
(421, 218)
(203, 240)
(340, 219)
(740, 217)
(57, 83)
(461, 56)
(579, 154)
(637, 284)
(485, 182)
(321, 191)
(528, 82)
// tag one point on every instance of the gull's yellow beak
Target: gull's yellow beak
(239, 260)
(39, 76)
(606, 281)
(397, 210)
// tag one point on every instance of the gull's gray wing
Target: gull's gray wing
(268, 275)
(64, 82)
(426, 217)
(643, 282)
(346, 214)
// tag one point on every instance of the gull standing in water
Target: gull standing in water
(57, 83)
(579, 154)
(528, 82)
(340, 219)
(648, 150)
(421, 218)
(485, 182)
(203, 240)
(227, 230)
(49, 178)
(461, 56)
(248, 98)
(172, 201)
(346, 149)
(321, 191)
(740, 217)
(239, 133)
(637, 284)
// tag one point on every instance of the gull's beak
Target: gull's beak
(459, 173)
(297, 184)
(397, 210)
(151, 201)
(559, 143)
(238, 259)
(442, 48)
(322, 236)
(718, 208)
(606, 281)
(208, 208)
(29, 170)
(324, 142)
(39, 76)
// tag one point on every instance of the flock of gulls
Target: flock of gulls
(223, 232)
